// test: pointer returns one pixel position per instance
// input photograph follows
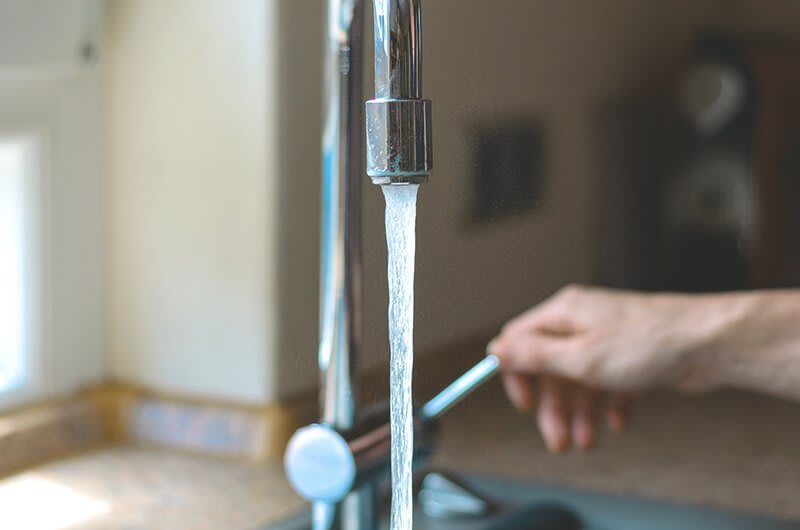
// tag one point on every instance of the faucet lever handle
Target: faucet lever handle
(461, 387)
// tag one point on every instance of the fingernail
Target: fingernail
(616, 421)
(555, 436)
(583, 435)
(523, 404)
(560, 444)
(493, 347)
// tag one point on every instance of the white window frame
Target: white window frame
(33, 383)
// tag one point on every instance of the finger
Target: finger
(553, 413)
(536, 352)
(555, 315)
(523, 323)
(618, 411)
(496, 346)
(547, 317)
(519, 389)
(584, 408)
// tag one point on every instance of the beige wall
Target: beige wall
(484, 61)
(192, 196)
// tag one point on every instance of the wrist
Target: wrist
(711, 326)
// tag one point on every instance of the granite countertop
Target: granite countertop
(729, 450)
(137, 488)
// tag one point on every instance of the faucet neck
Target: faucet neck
(398, 120)
(398, 49)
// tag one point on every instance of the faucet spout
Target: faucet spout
(398, 49)
(399, 152)
(399, 146)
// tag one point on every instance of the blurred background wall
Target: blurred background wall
(192, 196)
(486, 63)
(213, 119)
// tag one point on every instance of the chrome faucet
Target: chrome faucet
(399, 152)
(398, 119)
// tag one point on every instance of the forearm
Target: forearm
(750, 340)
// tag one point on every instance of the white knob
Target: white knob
(319, 464)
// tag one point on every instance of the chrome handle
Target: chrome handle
(461, 388)
(323, 464)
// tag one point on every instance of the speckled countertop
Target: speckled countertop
(130, 488)
(728, 450)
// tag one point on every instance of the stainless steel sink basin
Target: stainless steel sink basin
(521, 506)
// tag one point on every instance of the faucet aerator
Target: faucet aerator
(399, 147)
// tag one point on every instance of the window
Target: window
(19, 265)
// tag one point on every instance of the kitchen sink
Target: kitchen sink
(523, 506)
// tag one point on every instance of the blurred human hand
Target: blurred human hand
(594, 348)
